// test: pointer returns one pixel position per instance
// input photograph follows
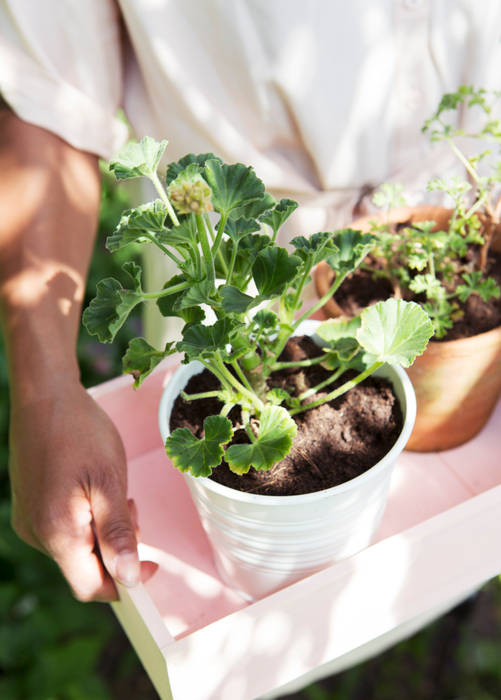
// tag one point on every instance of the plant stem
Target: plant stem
(326, 382)
(340, 390)
(212, 237)
(202, 395)
(206, 250)
(302, 363)
(330, 292)
(165, 250)
(169, 290)
(234, 251)
(220, 231)
(463, 160)
(243, 378)
(159, 188)
(224, 372)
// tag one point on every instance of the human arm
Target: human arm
(67, 462)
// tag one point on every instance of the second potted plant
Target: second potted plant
(287, 432)
(449, 261)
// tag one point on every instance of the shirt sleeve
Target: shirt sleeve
(61, 69)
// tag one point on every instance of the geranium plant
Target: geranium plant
(219, 226)
(438, 265)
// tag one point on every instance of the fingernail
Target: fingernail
(127, 569)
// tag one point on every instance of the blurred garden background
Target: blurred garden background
(54, 648)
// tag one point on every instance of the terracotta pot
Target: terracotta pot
(457, 382)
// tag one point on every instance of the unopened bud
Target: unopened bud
(190, 194)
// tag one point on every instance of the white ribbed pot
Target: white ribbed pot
(263, 543)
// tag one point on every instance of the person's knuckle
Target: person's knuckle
(117, 531)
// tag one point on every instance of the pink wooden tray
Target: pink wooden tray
(439, 539)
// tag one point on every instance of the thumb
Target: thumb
(116, 537)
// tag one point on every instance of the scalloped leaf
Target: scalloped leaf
(335, 328)
(395, 331)
(138, 158)
(200, 159)
(113, 302)
(200, 341)
(178, 236)
(273, 270)
(236, 229)
(198, 293)
(135, 223)
(235, 301)
(352, 247)
(200, 457)
(234, 187)
(315, 248)
(171, 305)
(276, 217)
(274, 441)
(141, 358)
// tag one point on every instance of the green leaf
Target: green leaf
(189, 454)
(259, 207)
(179, 237)
(171, 304)
(276, 217)
(200, 341)
(135, 223)
(274, 440)
(238, 228)
(394, 331)
(138, 159)
(248, 249)
(340, 337)
(352, 247)
(274, 270)
(335, 328)
(485, 288)
(235, 301)
(141, 358)
(427, 284)
(389, 196)
(234, 187)
(315, 248)
(113, 302)
(198, 293)
(174, 169)
(265, 323)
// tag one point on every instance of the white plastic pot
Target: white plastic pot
(263, 543)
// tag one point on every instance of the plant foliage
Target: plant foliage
(218, 224)
(434, 264)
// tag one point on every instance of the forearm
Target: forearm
(49, 200)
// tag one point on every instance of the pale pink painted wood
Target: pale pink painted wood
(444, 541)
(337, 610)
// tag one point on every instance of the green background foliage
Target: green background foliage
(54, 648)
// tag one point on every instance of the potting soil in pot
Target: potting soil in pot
(335, 442)
(359, 290)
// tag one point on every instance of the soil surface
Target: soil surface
(359, 290)
(335, 442)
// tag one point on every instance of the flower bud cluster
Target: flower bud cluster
(190, 194)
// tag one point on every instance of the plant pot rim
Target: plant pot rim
(305, 328)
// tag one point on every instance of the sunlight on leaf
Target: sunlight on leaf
(274, 440)
(395, 331)
(189, 454)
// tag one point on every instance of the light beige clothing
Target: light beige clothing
(325, 98)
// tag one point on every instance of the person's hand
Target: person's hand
(69, 485)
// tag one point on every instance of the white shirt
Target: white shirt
(322, 97)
